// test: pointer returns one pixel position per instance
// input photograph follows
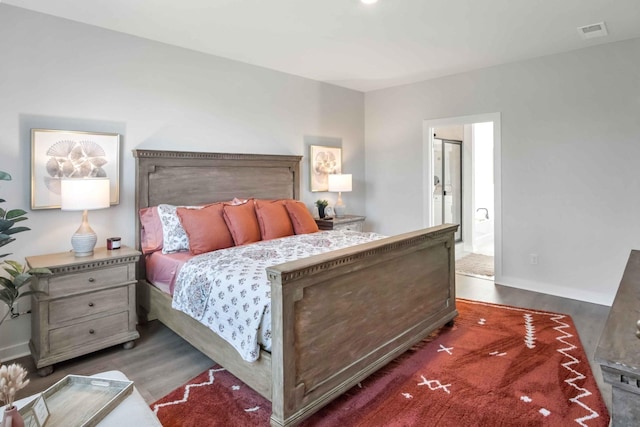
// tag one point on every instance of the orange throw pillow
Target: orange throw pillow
(242, 223)
(273, 219)
(303, 222)
(206, 229)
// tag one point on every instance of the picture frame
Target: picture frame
(35, 413)
(57, 154)
(323, 160)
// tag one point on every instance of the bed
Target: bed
(390, 292)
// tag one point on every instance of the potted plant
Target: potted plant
(321, 204)
(15, 275)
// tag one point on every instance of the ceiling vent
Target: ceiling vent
(592, 31)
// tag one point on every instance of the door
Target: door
(447, 180)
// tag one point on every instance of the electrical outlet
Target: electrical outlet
(16, 307)
(533, 258)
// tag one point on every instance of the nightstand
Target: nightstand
(89, 304)
(346, 222)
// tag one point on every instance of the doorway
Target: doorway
(479, 204)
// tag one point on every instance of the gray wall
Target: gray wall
(59, 74)
(570, 157)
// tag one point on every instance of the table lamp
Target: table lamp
(340, 183)
(83, 194)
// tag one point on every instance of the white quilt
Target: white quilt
(228, 290)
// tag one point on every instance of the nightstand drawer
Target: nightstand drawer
(65, 309)
(82, 281)
(86, 333)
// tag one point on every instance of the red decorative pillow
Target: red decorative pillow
(273, 219)
(206, 229)
(150, 230)
(303, 222)
(242, 222)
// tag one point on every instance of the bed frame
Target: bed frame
(336, 317)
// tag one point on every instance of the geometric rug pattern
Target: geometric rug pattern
(497, 366)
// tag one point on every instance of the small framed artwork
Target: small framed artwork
(57, 154)
(322, 162)
(35, 413)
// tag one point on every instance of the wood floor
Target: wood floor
(162, 361)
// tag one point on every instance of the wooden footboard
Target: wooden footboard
(340, 316)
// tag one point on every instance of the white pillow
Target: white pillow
(174, 238)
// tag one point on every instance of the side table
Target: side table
(89, 303)
(345, 222)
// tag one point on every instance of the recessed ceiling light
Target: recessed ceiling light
(368, 1)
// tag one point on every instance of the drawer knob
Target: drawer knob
(90, 304)
(91, 331)
(91, 279)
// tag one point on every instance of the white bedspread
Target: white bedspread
(228, 290)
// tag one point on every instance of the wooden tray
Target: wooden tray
(81, 401)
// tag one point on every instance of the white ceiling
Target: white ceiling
(362, 47)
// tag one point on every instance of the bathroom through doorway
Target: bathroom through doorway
(463, 154)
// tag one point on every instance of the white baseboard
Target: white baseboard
(14, 351)
(559, 291)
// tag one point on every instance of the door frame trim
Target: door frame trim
(428, 127)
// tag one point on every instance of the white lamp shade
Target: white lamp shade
(340, 182)
(84, 194)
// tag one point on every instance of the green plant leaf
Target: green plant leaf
(16, 230)
(6, 283)
(15, 264)
(5, 239)
(6, 297)
(13, 268)
(39, 270)
(5, 224)
(14, 213)
(13, 273)
(22, 279)
(5, 176)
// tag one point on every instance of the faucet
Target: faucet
(486, 212)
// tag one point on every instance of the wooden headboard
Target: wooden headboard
(193, 178)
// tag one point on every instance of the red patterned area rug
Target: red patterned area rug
(497, 366)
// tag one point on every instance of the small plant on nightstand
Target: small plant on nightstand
(15, 274)
(321, 204)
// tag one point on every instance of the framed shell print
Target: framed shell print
(323, 161)
(57, 154)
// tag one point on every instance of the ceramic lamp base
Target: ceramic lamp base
(84, 240)
(83, 244)
(340, 210)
